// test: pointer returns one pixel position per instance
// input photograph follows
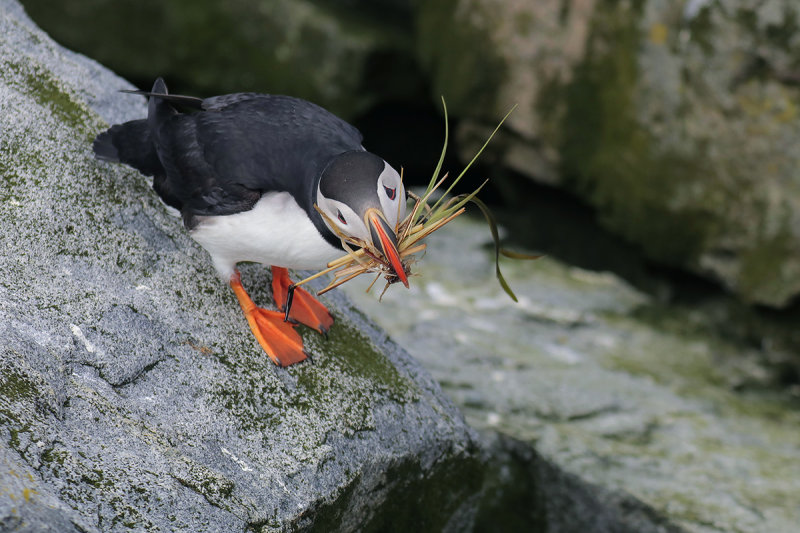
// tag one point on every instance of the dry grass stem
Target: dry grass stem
(424, 219)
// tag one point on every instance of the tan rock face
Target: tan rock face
(679, 126)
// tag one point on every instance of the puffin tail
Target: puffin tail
(159, 95)
(132, 142)
(129, 143)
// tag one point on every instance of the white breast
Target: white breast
(275, 232)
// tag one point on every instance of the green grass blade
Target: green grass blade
(436, 172)
(434, 182)
(466, 168)
(496, 236)
(456, 203)
(518, 255)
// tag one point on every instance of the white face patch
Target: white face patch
(392, 196)
(343, 216)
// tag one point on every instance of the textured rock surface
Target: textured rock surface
(132, 395)
(621, 398)
(677, 121)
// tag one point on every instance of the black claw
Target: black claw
(308, 356)
(289, 298)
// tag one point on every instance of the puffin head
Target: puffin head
(364, 197)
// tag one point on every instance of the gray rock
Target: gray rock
(642, 417)
(679, 125)
(132, 395)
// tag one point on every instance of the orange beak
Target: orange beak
(383, 236)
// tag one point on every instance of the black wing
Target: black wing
(221, 160)
(222, 156)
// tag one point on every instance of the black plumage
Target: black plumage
(219, 158)
(351, 179)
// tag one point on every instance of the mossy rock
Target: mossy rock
(637, 416)
(132, 395)
(680, 127)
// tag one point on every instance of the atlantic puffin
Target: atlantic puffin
(245, 172)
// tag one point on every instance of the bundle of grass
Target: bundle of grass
(364, 257)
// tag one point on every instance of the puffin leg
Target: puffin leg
(279, 339)
(304, 308)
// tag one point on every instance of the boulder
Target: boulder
(614, 412)
(677, 122)
(132, 395)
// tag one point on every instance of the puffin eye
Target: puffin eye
(391, 193)
(340, 217)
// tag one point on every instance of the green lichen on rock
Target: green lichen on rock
(610, 158)
(132, 388)
(15, 387)
(362, 360)
(414, 504)
(678, 125)
(39, 83)
(645, 141)
(349, 373)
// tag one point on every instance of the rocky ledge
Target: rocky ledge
(132, 395)
(618, 412)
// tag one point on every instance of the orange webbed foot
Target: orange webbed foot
(304, 308)
(278, 338)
